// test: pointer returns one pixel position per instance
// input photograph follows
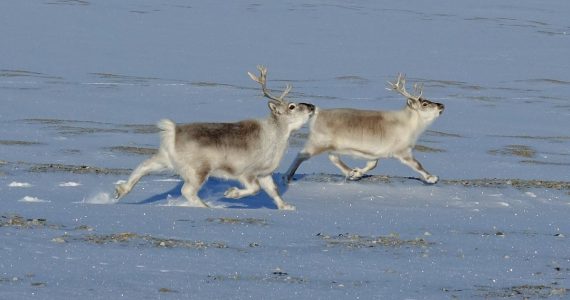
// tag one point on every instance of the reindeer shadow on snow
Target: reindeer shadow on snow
(213, 192)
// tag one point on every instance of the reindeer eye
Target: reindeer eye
(291, 106)
(424, 104)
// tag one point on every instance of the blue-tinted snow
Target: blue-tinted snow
(79, 78)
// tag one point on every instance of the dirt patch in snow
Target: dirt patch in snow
(525, 291)
(478, 183)
(77, 169)
(16, 221)
(133, 150)
(130, 238)
(355, 241)
(238, 221)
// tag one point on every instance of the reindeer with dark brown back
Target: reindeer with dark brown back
(248, 151)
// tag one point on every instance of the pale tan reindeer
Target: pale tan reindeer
(248, 151)
(370, 134)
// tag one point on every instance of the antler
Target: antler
(262, 79)
(400, 87)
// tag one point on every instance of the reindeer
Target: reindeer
(248, 151)
(371, 135)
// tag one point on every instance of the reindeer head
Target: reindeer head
(427, 110)
(290, 113)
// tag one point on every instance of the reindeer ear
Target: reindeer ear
(274, 107)
(411, 103)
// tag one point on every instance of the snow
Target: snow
(32, 200)
(82, 84)
(69, 184)
(19, 184)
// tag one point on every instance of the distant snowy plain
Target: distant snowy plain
(82, 83)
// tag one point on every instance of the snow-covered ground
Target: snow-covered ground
(82, 82)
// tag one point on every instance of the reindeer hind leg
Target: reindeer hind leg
(251, 187)
(154, 164)
(357, 173)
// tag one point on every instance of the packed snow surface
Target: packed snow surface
(83, 82)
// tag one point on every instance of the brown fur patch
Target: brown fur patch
(203, 174)
(232, 135)
(361, 123)
(228, 169)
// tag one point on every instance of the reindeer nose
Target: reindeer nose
(441, 107)
(309, 106)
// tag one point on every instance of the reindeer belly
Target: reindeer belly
(235, 165)
(371, 149)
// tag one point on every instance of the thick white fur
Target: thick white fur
(248, 151)
(369, 135)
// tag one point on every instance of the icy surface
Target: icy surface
(83, 82)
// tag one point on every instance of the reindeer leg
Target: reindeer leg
(357, 173)
(301, 157)
(409, 160)
(309, 151)
(270, 188)
(154, 164)
(251, 186)
(335, 159)
(193, 180)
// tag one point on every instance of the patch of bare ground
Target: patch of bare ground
(2, 164)
(427, 149)
(478, 183)
(528, 152)
(553, 139)
(19, 222)
(129, 238)
(133, 150)
(545, 163)
(18, 143)
(25, 279)
(76, 169)
(167, 290)
(355, 241)
(16, 221)
(64, 168)
(238, 221)
(68, 2)
(552, 81)
(514, 150)
(442, 134)
(516, 183)
(141, 128)
(525, 291)
(353, 79)
(23, 73)
(277, 275)
(78, 127)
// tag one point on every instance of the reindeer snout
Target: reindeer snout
(441, 108)
(309, 106)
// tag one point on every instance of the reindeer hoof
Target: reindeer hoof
(355, 174)
(286, 206)
(431, 179)
(120, 190)
(232, 193)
